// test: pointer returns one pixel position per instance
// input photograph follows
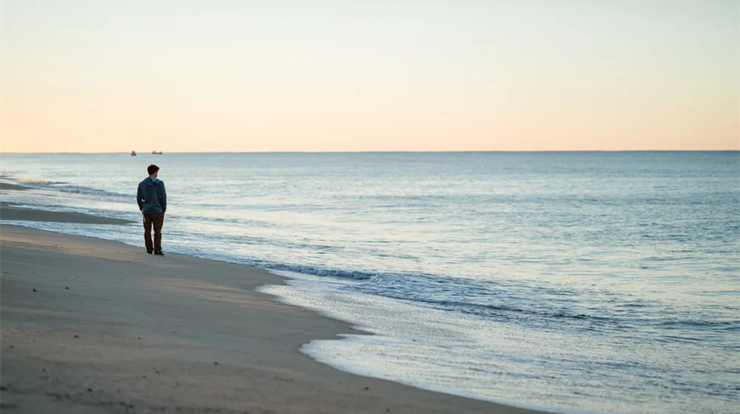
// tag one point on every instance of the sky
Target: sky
(402, 75)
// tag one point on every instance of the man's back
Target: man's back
(152, 196)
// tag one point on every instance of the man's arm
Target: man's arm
(163, 200)
(139, 196)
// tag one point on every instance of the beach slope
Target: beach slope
(92, 326)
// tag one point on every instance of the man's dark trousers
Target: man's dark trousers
(156, 221)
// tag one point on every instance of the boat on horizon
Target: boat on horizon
(157, 152)
(133, 153)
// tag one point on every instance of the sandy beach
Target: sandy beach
(92, 326)
(370, 207)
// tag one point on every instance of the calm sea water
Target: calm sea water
(597, 282)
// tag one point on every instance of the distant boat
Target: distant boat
(133, 153)
(157, 152)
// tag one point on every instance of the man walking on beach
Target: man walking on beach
(152, 199)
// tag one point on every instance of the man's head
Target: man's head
(152, 170)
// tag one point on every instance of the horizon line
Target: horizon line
(373, 152)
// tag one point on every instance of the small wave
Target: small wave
(90, 191)
(621, 314)
(415, 288)
(701, 324)
(314, 271)
(683, 338)
(40, 183)
(485, 310)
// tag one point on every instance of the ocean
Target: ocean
(573, 281)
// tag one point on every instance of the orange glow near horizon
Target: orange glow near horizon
(375, 76)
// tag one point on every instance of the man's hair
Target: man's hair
(151, 169)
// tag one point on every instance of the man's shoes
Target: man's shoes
(159, 254)
(149, 252)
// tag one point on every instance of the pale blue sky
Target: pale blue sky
(381, 75)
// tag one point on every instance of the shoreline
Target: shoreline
(12, 187)
(10, 212)
(230, 348)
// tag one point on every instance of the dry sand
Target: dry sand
(110, 329)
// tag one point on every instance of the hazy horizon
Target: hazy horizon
(442, 76)
(362, 152)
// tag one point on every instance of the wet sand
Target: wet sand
(14, 187)
(8, 212)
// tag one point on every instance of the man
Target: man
(152, 199)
